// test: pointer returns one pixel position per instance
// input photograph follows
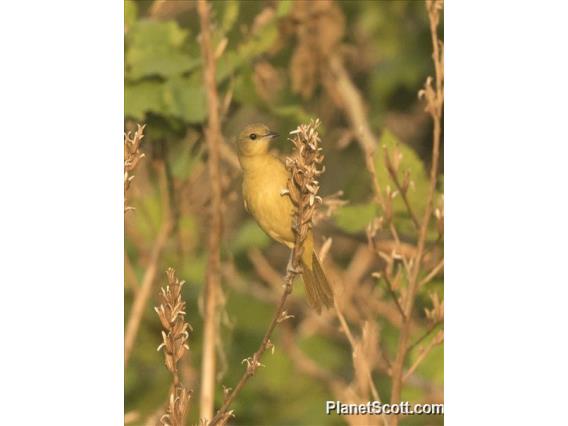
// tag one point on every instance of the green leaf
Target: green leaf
(143, 97)
(194, 269)
(180, 97)
(157, 49)
(430, 367)
(250, 235)
(293, 112)
(355, 218)
(245, 92)
(185, 98)
(230, 15)
(329, 356)
(184, 161)
(284, 7)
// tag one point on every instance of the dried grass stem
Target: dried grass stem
(213, 274)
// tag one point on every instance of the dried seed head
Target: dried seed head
(132, 157)
(171, 313)
(305, 166)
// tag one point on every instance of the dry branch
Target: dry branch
(353, 105)
(390, 289)
(435, 341)
(362, 359)
(435, 271)
(213, 275)
(402, 187)
(143, 295)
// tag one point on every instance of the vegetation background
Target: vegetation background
(275, 64)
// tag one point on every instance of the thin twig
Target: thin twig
(143, 295)
(254, 362)
(402, 190)
(353, 343)
(363, 358)
(424, 336)
(263, 268)
(380, 197)
(432, 273)
(434, 342)
(393, 295)
(353, 104)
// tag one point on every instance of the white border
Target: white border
(61, 234)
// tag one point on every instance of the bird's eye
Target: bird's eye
(252, 136)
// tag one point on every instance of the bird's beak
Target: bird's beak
(272, 135)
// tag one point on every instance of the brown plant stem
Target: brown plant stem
(145, 290)
(394, 296)
(213, 281)
(353, 344)
(264, 269)
(435, 271)
(424, 336)
(254, 362)
(438, 339)
(403, 191)
(363, 358)
(434, 106)
(353, 105)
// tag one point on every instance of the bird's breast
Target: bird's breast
(262, 192)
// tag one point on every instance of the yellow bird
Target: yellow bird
(264, 179)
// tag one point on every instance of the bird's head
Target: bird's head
(254, 139)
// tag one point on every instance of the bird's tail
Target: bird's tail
(318, 290)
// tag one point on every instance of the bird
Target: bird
(265, 180)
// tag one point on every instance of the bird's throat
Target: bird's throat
(253, 164)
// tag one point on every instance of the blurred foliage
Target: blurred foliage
(387, 50)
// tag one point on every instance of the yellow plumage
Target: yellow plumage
(264, 179)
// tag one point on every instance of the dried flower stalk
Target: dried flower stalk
(305, 165)
(132, 157)
(171, 312)
(303, 186)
